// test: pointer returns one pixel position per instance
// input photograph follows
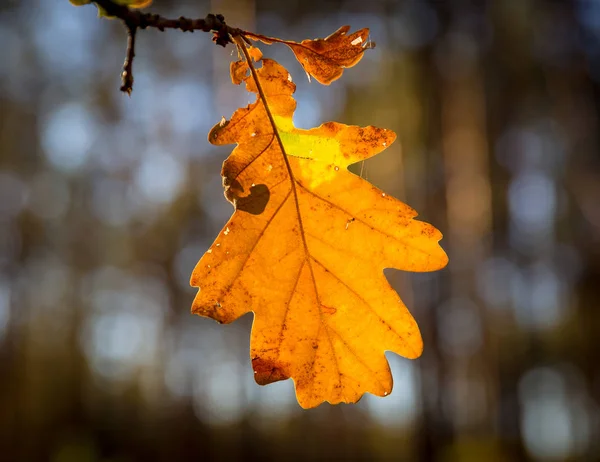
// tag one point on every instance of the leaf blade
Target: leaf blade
(310, 266)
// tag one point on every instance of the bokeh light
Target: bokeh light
(107, 202)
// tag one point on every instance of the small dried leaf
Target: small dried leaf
(325, 59)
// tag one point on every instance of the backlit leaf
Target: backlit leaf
(306, 247)
(325, 59)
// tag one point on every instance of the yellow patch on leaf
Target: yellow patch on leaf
(325, 59)
(305, 251)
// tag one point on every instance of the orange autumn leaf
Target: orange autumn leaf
(325, 59)
(306, 247)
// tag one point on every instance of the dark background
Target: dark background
(107, 202)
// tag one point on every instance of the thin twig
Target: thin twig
(215, 23)
(127, 75)
(134, 20)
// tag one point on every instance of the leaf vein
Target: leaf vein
(363, 301)
(360, 220)
(258, 238)
(351, 350)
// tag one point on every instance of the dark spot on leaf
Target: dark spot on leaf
(267, 371)
(256, 202)
(328, 309)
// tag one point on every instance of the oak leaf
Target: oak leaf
(306, 247)
(325, 59)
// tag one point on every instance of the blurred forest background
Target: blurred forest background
(107, 202)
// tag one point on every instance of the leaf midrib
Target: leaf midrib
(288, 166)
